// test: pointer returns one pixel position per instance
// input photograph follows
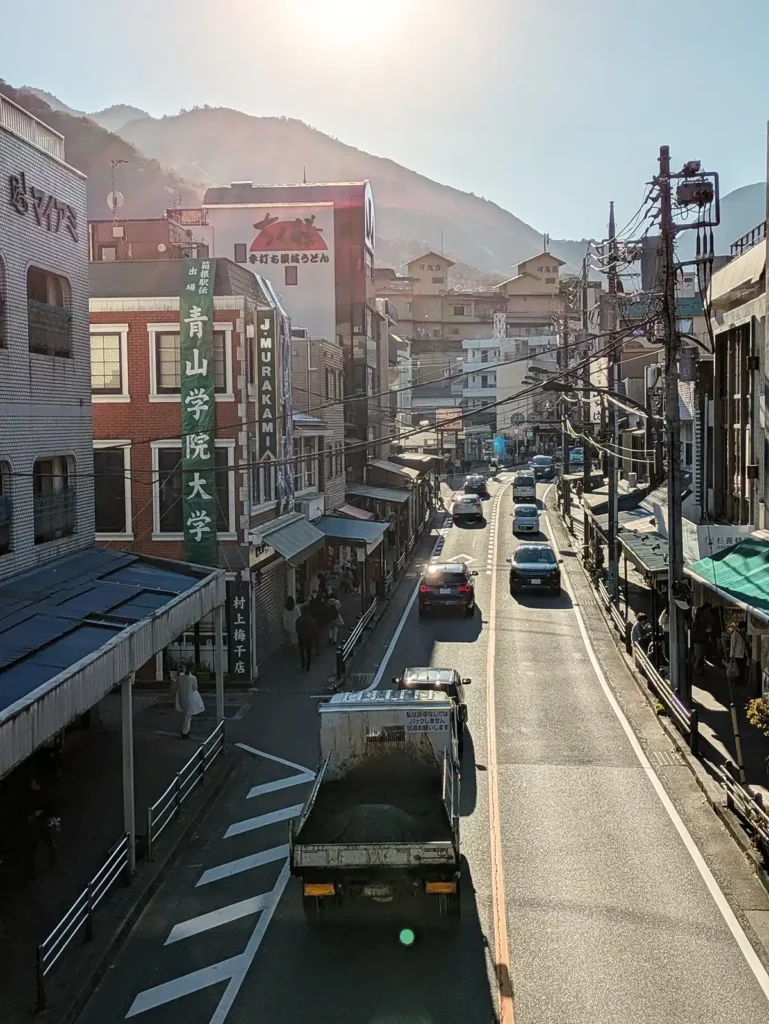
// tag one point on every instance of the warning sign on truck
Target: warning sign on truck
(423, 720)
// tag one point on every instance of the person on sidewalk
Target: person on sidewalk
(291, 613)
(664, 623)
(701, 637)
(348, 580)
(641, 631)
(319, 612)
(187, 701)
(307, 635)
(41, 824)
(738, 650)
(322, 585)
(335, 620)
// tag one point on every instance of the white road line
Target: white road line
(280, 760)
(247, 956)
(224, 915)
(235, 867)
(250, 824)
(399, 628)
(273, 787)
(734, 926)
(184, 986)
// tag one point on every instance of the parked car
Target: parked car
(543, 467)
(535, 566)
(476, 484)
(524, 486)
(525, 519)
(466, 507)
(447, 585)
(448, 681)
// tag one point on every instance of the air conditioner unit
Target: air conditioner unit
(312, 507)
(300, 334)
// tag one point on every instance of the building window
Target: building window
(330, 383)
(339, 459)
(263, 483)
(460, 311)
(107, 253)
(688, 453)
(454, 330)
(438, 280)
(106, 370)
(5, 508)
(240, 252)
(484, 380)
(49, 317)
(306, 456)
(328, 464)
(409, 307)
(549, 280)
(112, 489)
(54, 498)
(3, 308)
(292, 275)
(169, 518)
(167, 362)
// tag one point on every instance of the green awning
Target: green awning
(739, 574)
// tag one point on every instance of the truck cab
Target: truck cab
(381, 824)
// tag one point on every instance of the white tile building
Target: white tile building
(46, 448)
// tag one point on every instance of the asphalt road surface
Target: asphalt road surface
(587, 891)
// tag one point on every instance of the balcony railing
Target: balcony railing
(54, 515)
(49, 329)
(5, 525)
(749, 239)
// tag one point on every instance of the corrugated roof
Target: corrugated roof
(392, 467)
(647, 551)
(396, 495)
(354, 512)
(352, 529)
(740, 573)
(291, 535)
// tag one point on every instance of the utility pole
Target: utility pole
(613, 369)
(587, 466)
(673, 429)
(564, 434)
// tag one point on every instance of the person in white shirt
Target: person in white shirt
(291, 613)
(738, 650)
(188, 701)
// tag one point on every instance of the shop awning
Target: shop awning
(740, 575)
(291, 535)
(637, 519)
(73, 628)
(353, 531)
(307, 424)
(393, 467)
(395, 495)
(647, 551)
(354, 512)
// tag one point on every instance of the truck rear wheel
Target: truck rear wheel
(314, 910)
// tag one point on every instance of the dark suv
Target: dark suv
(475, 484)
(447, 585)
(446, 679)
(543, 467)
(535, 566)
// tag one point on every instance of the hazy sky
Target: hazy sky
(548, 107)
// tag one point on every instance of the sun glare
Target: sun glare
(341, 20)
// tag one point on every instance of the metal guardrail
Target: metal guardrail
(168, 805)
(745, 805)
(400, 562)
(344, 651)
(686, 720)
(80, 915)
(621, 623)
(389, 578)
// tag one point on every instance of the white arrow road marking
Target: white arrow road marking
(205, 922)
(272, 757)
(273, 787)
(235, 867)
(249, 824)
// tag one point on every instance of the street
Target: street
(592, 890)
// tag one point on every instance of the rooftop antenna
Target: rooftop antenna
(304, 175)
(115, 199)
(546, 242)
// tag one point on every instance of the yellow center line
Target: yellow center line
(501, 943)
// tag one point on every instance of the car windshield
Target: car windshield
(542, 460)
(532, 554)
(524, 511)
(525, 481)
(445, 578)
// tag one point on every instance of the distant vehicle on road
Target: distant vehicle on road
(525, 519)
(476, 484)
(448, 681)
(524, 486)
(576, 457)
(447, 585)
(466, 507)
(535, 566)
(543, 467)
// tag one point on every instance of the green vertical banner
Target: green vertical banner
(196, 370)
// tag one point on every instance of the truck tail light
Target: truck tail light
(319, 888)
(440, 888)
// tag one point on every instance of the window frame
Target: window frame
(227, 443)
(307, 466)
(123, 395)
(104, 443)
(66, 297)
(6, 477)
(228, 395)
(295, 274)
(238, 248)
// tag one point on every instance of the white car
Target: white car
(525, 519)
(524, 486)
(466, 506)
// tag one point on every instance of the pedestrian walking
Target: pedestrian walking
(322, 586)
(319, 612)
(187, 700)
(40, 829)
(335, 620)
(701, 637)
(664, 623)
(348, 580)
(738, 653)
(291, 613)
(307, 636)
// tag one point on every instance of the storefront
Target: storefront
(355, 543)
(390, 504)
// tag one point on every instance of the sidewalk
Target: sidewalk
(88, 799)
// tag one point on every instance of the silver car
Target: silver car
(525, 519)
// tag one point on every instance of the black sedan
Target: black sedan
(543, 467)
(448, 681)
(476, 484)
(535, 566)
(447, 585)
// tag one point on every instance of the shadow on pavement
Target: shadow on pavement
(478, 524)
(469, 789)
(531, 599)
(360, 973)
(454, 627)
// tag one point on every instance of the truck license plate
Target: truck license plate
(378, 892)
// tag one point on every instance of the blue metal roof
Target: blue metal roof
(352, 530)
(54, 615)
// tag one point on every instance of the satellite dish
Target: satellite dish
(115, 200)
(162, 246)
